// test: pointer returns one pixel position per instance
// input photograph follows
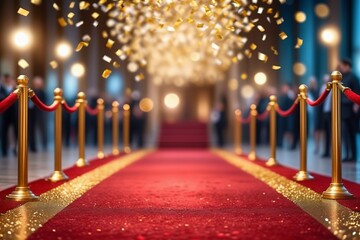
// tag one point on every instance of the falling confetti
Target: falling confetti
(299, 43)
(23, 12)
(53, 64)
(23, 63)
(106, 73)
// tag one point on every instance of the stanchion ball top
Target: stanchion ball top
(336, 75)
(100, 101)
(81, 95)
(22, 79)
(115, 104)
(253, 107)
(237, 112)
(273, 98)
(302, 88)
(126, 107)
(58, 92)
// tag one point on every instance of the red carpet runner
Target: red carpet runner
(184, 135)
(189, 194)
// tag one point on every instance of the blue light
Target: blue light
(115, 85)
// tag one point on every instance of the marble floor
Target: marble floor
(41, 164)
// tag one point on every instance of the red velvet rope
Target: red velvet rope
(91, 111)
(287, 112)
(245, 120)
(318, 101)
(70, 109)
(8, 101)
(263, 116)
(352, 96)
(43, 106)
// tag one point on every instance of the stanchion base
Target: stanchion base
(100, 155)
(238, 151)
(58, 176)
(115, 151)
(22, 194)
(271, 162)
(252, 156)
(81, 162)
(127, 149)
(302, 176)
(336, 191)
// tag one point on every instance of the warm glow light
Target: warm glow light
(330, 36)
(247, 91)
(63, 50)
(322, 10)
(300, 17)
(77, 70)
(171, 100)
(233, 84)
(299, 69)
(243, 76)
(22, 38)
(146, 104)
(260, 78)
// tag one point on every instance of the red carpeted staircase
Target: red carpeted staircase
(187, 134)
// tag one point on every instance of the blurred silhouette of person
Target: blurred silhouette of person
(349, 119)
(10, 116)
(219, 120)
(284, 123)
(315, 114)
(138, 125)
(262, 126)
(37, 117)
(326, 117)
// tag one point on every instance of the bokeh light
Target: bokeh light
(299, 69)
(330, 36)
(22, 38)
(77, 70)
(243, 76)
(233, 84)
(171, 100)
(300, 17)
(146, 104)
(247, 91)
(322, 10)
(260, 78)
(63, 50)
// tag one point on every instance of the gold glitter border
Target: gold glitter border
(21, 222)
(341, 221)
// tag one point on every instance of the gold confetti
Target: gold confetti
(275, 67)
(95, 15)
(56, 7)
(36, 2)
(262, 57)
(261, 28)
(72, 5)
(106, 58)
(23, 12)
(78, 24)
(71, 15)
(116, 64)
(86, 38)
(263, 37)
(253, 46)
(23, 63)
(62, 22)
(283, 36)
(109, 43)
(139, 77)
(279, 21)
(95, 23)
(106, 73)
(83, 5)
(299, 43)
(81, 45)
(104, 34)
(53, 64)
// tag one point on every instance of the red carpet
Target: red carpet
(189, 194)
(40, 186)
(184, 135)
(319, 184)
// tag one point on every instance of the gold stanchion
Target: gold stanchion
(22, 192)
(336, 190)
(126, 128)
(238, 132)
(303, 174)
(271, 107)
(58, 174)
(115, 127)
(81, 162)
(100, 128)
(253, 114)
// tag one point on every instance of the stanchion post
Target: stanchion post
(22, 192)
(238, 131)
(126, 128)
(336, 190)
(253, 114)
(81, 162)
(100, 128)
(115, 127)
(271, 107)
(58, 174)
(303, 174)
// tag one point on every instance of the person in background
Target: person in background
(37, 117)
(10, 116)
(218, 118)
(315, 114)
(326, 117)
(284, 123)
(349, 119)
